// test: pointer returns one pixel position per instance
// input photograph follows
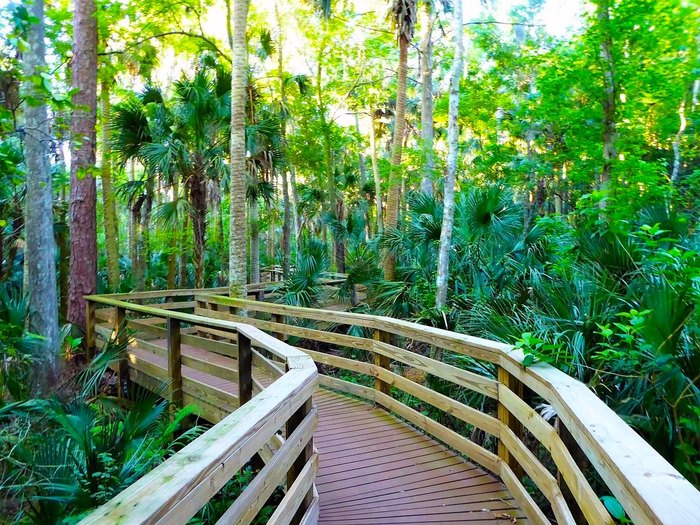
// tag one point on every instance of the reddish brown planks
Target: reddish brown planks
(376, 469)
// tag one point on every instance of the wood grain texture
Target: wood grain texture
(363, 480)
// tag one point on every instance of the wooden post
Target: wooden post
(119, 339)
(90, 338)
(305, 456)
(382, 361)
(174, 361)
(280, 319)
(509, 420)
(245, 370)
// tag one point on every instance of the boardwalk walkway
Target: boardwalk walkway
(357, 453)
(374, 469)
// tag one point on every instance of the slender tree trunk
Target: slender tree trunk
(137, 267)
(286, 224)
(132, 226)
(198, 198)
(453, 145)
(295, 207)
(172, 244)
(222, 238)
(184, 250)
(108, 202)
(254, 221)
(609, 102)
(40, 250)
(83, 191)
(426, 77)
(396, 175)
(145, 256)
(375, 172)
(237, 249)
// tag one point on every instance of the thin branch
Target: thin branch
(171, 33)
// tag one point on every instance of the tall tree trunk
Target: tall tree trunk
(286, 224)
(137, 266)
(396, 175)
(197, 190)
(609, 102)
(237, 248)
(254, 214)
(295, 207)
(145, 256)
(375, 172)
(184, 250)
(40, 250)
(333, 203)
(222, 238)
(453, 149)
(132, 226)
(426, 78)
(83, 191)
(172, 243)
(108, 202)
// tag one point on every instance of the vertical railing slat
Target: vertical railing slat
(382, 361)
(301, 461)
(174, 361)
(509, 420)
(119, 340)
(90, 337)
(245, 369)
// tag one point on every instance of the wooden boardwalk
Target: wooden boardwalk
(374, 468)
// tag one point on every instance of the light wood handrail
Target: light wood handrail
(647, 486)
(174, 491)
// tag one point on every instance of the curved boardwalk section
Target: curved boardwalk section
(348, 461)
(376, 469)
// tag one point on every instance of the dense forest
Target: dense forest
(527, 171)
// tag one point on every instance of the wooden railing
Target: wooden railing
(646, 485)
(178, 488)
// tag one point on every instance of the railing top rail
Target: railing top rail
(294, 358)
(179, 487)
(175, 490)
(648, 487)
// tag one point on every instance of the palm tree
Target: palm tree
(404, 14)
(239, 78)
(185, 140)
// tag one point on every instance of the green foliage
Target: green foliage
(17, 346)
(62, 458)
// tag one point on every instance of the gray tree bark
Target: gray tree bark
(40, 251)
(453, 148)
(375, 172)
(426, 77)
